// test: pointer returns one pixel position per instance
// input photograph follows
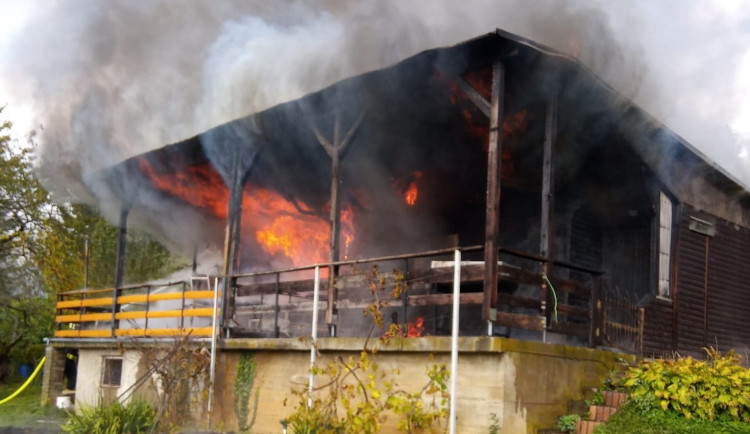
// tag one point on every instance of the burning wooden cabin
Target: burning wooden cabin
(580, 218)
(598, 225)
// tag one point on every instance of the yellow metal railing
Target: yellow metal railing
(96, 314)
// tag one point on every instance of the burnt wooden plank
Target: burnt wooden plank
(569, 286)
(580, 330)
(445, 299)
(520, 321)
(548, 202)
(472, 298)
(291, 287)
(576, 311)
(494, 155)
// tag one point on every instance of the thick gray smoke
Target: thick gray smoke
(108, 80)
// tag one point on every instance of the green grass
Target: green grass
(631, 419)
(25, 410)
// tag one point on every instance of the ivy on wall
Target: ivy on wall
(243, 387)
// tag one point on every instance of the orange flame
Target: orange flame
(410, 330)
(274, 222)
(200, 186)
(412, 192)
(281, 229)
(416, 329)
(481, 80)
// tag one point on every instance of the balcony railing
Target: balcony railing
(278, 303)
(149, 310)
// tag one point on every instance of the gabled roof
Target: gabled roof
(409, 103)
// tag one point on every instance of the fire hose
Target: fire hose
(28, 381)
(554, 295)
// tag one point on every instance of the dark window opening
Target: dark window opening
(112, 373)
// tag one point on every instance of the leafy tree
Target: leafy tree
(42, 253)
(24, 209)
(63, 245)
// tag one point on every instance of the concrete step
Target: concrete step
(586, 426)
(600, 413)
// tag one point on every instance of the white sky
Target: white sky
(681, 45)
(13, 17)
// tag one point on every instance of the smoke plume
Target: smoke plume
(109, 80)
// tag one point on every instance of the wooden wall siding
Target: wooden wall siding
(585, 240)
(728, 304)
(713, 289)
(691, 332)
(627, 263)
(657, 330)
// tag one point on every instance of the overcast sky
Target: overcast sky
(114, 78)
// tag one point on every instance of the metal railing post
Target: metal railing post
(405, 295)
(314, 332)
(212, 372)
(276, 309)
(148, 307)
(454, 337)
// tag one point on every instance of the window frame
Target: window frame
(107, 375)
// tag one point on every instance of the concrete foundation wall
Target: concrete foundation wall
(89, 388)
(527, 385)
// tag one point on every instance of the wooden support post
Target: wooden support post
(120, 267)
(494, 156)
(335, 221)
(335, 150)
(232, 238)
(548, 200)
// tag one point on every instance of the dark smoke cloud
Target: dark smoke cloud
(112, 79)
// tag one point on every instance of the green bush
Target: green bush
(137, 417)
(568, 422)
(643, 416)
(715, 389)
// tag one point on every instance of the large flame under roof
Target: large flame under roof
(415, 120)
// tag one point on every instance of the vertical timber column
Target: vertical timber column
(336, 151)
(548, 198)
(333, 292)
(231, 241)
(120, 267)
(494, 155)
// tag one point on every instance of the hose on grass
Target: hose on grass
(28, 381)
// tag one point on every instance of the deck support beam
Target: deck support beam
(336, 149)
(239, 174)
(548, 199)
(494, 161)
(122, 241)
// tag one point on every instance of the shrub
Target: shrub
(716, 388)
(643, 416)
(136, 417)
(568, 422)
(358, 395)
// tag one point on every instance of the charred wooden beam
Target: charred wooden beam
(122, 241)
(494, 155)
(520, 321)
(336, 149)
(240, 172)
(481, 102)
(548, 197)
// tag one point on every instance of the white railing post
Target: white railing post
(316, 296)
(454, 336)
(212, 369)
